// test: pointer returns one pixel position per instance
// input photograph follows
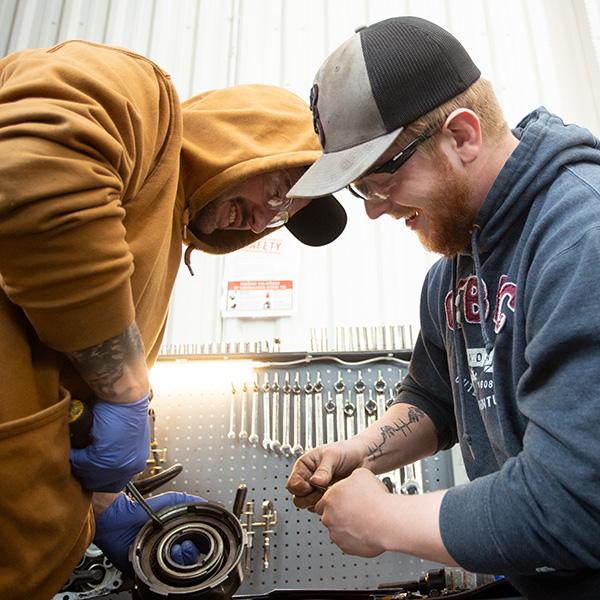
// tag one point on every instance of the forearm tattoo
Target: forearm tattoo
(103, 365)
(401, 426)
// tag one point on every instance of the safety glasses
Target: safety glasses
(378, 189)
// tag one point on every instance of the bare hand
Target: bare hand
(357, 511)
(322, 466)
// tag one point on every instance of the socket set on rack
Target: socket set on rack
(289, 412)
(221, 347)
(365, 338)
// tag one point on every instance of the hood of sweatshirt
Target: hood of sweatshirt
(546, 146)
(235, 133)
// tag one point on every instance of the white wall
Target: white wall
(534, 51)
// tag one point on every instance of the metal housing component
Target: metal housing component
(216, 575)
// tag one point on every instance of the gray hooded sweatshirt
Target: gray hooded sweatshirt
(520, 388)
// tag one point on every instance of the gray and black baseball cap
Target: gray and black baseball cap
(380, 80)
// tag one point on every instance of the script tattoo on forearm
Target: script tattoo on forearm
(414, 415)
(103, 365)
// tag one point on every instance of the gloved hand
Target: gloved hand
(118, 525)
(119, 448)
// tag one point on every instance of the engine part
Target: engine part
(94, 576)
(216, 575)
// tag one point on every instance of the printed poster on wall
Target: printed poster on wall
(260, 279)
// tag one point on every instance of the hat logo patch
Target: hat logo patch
(318, 126)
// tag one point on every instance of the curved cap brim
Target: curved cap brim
(318, 223)
(336, 170)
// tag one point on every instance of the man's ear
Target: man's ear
(464, 130)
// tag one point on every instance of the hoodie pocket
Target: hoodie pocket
(45, 517)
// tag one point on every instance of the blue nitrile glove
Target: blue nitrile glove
(120, 442)
(118, 525)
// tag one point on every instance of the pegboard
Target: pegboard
(192, 422)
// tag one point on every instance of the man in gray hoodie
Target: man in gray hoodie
(507, 360)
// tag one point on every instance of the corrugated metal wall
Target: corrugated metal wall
(534, 51)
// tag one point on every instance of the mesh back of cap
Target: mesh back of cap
(414, 66)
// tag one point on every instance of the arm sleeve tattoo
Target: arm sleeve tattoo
(104, 364)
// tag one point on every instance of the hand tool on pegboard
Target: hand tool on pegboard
(413, 482)
(349, 412)
(339, 388)
(253, 437)
(318, 401)
(231, 434)
(297, 448)
(390, 399)
(275, 391)
(243, 435)
(286, 390)
(359, 388)
(329, 419)
(380, 386)
(308, 413)
(371, 408)
(266, 402)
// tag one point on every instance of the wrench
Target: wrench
(330, 418)
(253, 437)
(266, 444)
(380, 386)
(339, 387)
(359, 388)
(243, 435)
(349, 411)
(231, 435)
(297, 449)
(275, 443)
(285, 440)
(318, 387)
(413, 482)
(308, 413)
(398, 384)
(391, 399)
(371, 409)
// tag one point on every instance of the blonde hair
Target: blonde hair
(480, 98)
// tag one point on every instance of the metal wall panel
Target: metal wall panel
(534, 51)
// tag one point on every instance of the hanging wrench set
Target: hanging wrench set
(289, 411)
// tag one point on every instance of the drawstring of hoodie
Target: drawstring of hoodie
(456, 343)
(475, 253)
(187, 259)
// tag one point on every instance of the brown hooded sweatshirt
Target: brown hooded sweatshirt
(98, 179)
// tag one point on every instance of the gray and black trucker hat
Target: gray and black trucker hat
(377, 82)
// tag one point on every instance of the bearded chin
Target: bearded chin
(452, 217)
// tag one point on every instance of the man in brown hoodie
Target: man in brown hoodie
(104, 176)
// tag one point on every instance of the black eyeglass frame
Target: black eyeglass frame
(393, 164)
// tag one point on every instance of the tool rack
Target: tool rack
(192, 423)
